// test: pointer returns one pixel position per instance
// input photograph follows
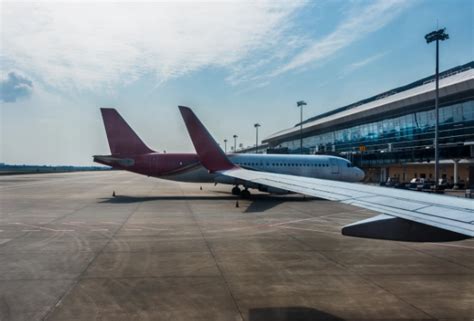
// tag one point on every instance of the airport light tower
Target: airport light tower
(225, 145)
(235, 142)
(301, 104)
(438, 35)
(256, 125)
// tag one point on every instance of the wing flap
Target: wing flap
(393, 228)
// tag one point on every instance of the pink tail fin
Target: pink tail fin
(122, 139)
(210, 154)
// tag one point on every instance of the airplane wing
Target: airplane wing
(406, 215)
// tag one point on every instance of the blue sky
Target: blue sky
(235, 63)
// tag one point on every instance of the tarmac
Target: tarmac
(162, 250)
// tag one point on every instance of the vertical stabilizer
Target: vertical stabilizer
(122, 139)
(210, 154)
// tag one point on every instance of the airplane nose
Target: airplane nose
(360, 174)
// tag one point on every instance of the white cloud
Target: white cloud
(360, 22)
(99, 45)
(361, 63)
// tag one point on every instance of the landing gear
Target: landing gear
(245, 193)
(236, 190)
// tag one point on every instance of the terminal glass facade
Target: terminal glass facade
(409, 131)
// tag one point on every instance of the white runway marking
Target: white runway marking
(294, 221)
(307, 229)
(43, 228)
(72, 223)
(460, 246)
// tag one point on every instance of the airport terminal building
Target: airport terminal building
(391, 134)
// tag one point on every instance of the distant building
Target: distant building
(391, 134)
(253, 149)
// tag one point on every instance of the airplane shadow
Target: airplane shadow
(290, 314)
(259, 202)
(120, 199)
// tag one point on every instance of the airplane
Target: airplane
(405, 215)
(129, 152)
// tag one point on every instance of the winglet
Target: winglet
(210, 154)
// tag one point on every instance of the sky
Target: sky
(234, 62)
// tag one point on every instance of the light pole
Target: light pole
(301, 104)
(225, 145)
(235, 142)
(256, 125)
(438, 35)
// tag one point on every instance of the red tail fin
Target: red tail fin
(122, 139)
(210, 154)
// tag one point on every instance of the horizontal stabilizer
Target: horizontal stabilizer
(113, 161)
(386, 227)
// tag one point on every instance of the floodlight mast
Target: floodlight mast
(256, 125)
(438, 35)
(235, 142)
(301, 104)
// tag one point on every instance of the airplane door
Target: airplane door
(334, 166)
